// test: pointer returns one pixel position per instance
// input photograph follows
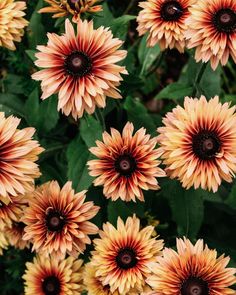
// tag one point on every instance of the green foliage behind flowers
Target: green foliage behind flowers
(156, 83)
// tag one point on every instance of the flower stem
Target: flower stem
(129, 7)
(100, 118)
(198, 78)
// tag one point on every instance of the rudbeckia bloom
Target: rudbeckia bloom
(50, 276)
(12, 22)
(198, 143)
(127, 163)
(15, 234)
(61, 8)
(212, 30)
(192, 270)
(80, 68)
(18, 152)
(164, 20)
(122, 255)
(57, 220)
(12, 211)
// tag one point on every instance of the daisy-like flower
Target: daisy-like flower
(198, 143)
(212, 30)
(50, 276)
(15, 234)
(57, 220)
(61, 8)
(3, 242)
(127, 163)
(80, 68)
(164, 20)
(192, 270)
(12, 211)
(122, 255)
(12, 22)
(18, 153)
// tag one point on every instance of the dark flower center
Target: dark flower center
(225, 20)
(206, 144)
(51, 286)
(125, 165)
(19, 225)
(78, 64)
(126, 258)
(72, 3)
(1, 204)
(171, 11)
(55, 221)
(194, 286)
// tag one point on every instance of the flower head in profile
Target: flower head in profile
(18, 154)
(12, 22)
(15, 235)
(212, 31)
(61, 8)
(122, 255)
(192, 270)
(50, 276)
(81, 68)
(164, 20)
(127, 163)
(57, 220)
(198, 142)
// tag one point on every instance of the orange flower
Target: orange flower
(61, 8)
(199, 143)
(18, 152)
(192, 270)
(212, 30)
(12, 22)
(127, 164)
(15, 234)
(50, 276)
(164, 20)
(81, 68)
(122, 255)
(57, 220)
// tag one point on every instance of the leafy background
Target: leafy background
(155, 84)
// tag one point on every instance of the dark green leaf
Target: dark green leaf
(90, 130)
(11, 104)
(120, 26)
(175, 91)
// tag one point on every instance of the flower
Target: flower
(192, 270)
(212, 30)
(122, 255)
(18, 152)
(57, 220)
(15, 234)
(12, 22)
(127, 163)
(198, 143)
(12, 211)
(50, 276)
(61, 8)
(3, 242)
(80, 68)
(164, 20)
(94, 286)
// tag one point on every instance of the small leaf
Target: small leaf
(90, 130)
(31, 54)
(120, 26)
(175, 91)
(11, 104)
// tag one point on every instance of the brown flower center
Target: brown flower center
(194, 286)
(225, 20)
(171, 11)
(125, 165)
(55, 221)
(51, 286)
(126, 258)
(72, 4)
(205, 144)
(78, 64)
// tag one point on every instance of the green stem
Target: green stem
(129, 7)
(156, 63)
(198, 79)
(100, 118)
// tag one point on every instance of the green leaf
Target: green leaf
(175, 91)
(11, 104)
(42, 115)
(31, 54)
(187, 208)
(90, 130)
(137, 113)
(147, 55)
(231, 200)
(77, 156)
(120, 26)
(14, 84)
(103, 18)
